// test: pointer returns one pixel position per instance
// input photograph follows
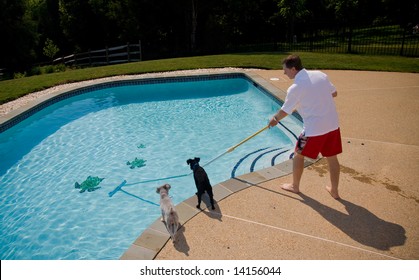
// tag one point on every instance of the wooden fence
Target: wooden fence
(113, 55)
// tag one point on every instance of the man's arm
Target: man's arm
(277, 117)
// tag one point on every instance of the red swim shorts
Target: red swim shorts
(329, 144)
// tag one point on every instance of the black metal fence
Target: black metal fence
(374, 40)
(371, 40)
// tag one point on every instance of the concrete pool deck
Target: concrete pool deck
(377, 217)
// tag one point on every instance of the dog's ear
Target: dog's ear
(167, 186)
(158, 190)
(188, 161)
(197, 159)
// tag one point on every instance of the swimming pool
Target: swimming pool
(134, 131)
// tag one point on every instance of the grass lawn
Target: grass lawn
(12, 89)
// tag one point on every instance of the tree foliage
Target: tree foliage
(50, 49)
(18, 34)
(174, 28)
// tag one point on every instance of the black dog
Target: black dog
(201, 181)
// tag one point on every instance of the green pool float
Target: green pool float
(90, 184)
(137, 162)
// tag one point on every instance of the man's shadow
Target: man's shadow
(360, 224)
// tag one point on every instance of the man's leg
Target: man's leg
(334, 169)
(297, 173)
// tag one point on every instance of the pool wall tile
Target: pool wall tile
(159, 226)
(267, 86)
(271, 173)
(252, 178)
(220, 192)
(191, 202)
(234, 185)
(152, 240)
(285, 167)
(186, 211)
(136, 252)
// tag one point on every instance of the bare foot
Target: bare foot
(333, 193)
(290, 188)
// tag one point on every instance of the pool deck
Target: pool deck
(377, 217)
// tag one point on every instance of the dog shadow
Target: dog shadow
(214, 214)
(360, 224)
(181, 245)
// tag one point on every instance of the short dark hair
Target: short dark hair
(293, 61)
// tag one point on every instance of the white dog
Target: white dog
(168, 211)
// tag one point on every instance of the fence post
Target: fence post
(107, 55)
(139, 49)
(311, 39)
(403, 40)
(90, 58)
(350, 39)
(129, 60)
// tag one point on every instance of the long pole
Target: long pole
(238, 144)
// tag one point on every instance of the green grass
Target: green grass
(12, 89)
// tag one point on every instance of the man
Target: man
(311, 95)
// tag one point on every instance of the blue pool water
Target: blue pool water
(97, 133)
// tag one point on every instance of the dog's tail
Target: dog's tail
(173, 224)
(173, 214)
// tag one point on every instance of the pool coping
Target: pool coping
(155, 237)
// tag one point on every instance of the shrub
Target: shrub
(19, 75)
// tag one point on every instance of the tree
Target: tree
(18, 36)
(345, 10)
(50, 49)
(80, 25)
(404, 12)
(292, 10)
(46, 14)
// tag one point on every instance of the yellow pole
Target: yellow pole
(247, 139)
(235, 146)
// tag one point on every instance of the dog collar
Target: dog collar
(195, 166)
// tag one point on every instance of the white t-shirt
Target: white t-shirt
(311, 96)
